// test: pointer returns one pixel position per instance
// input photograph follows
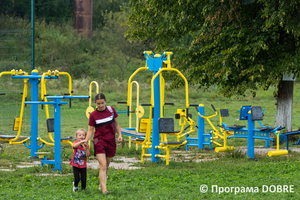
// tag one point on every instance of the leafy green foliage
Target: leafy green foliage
(59, 47)
(121, 53)
(235, 46)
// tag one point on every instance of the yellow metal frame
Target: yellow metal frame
(167, 148)
(44, 92)
(220, 148)
(54, 73)
(90, 91)
(139, 111)
(167, 67)
(146, 143)
(182, 122)
(130, 81)
(18, 72)
(278, 152)
(90, 109)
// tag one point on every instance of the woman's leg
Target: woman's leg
(108, 159)
(103, 171)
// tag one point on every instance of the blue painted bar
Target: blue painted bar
(42, 102)
(124, 112)
(251, 126)
(57, 135)
(155, 133)
(34, 76)
(201, 127)
(68, 97)
(34, 114)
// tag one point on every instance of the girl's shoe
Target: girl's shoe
(75, 189)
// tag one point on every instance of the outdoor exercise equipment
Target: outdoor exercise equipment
(213, 134)
(251, 114)
(280, 139)
(11, 139)
(278, 152)
(57, 129)
(139, 112)
(155, 137)
(53, 125)
(34, 80)
(50, 121)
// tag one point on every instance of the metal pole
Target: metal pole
(32, 34)
(201, 127)
(155, 131)
(57, 135)
(250, 146)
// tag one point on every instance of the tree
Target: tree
(237, 45)
(119, 49)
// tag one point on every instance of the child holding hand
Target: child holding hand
(80, 153)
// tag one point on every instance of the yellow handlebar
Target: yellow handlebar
(90, 92)
(170, 69)
(54, 73)
(129, 82)
(208, 116)
(14, 72)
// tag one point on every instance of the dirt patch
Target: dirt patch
(122, 162)
(118, 162)
(53, 174)
(260, 150)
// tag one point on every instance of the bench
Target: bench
(266, 128)
(7, 136)
(133, 133)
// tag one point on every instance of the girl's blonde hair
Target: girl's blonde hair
(79, 130)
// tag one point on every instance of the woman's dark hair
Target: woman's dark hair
(100, 96)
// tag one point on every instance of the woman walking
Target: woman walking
(103, 123)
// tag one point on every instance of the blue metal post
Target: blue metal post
(57, 135)
(34, 114)
(155, 133)
(250, 146)
(201, 127)
(267, 144)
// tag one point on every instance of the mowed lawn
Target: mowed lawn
(223, 175)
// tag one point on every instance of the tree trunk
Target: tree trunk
(284, 105)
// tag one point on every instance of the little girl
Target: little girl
(80, 153)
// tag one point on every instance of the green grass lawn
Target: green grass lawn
(180, 180)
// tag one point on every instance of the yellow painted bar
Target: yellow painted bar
(162, 94)
(7, 73)
(21, 142)
(70, 80)
(51, 144)
(14, 72)
(137, 109)
(90, 91)
(43, 84)
(170, 69)
(21, 112)
(224, 149)
(207, 118)
(129, 81)
(277, 152)
(54, 73)
(68, 142)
